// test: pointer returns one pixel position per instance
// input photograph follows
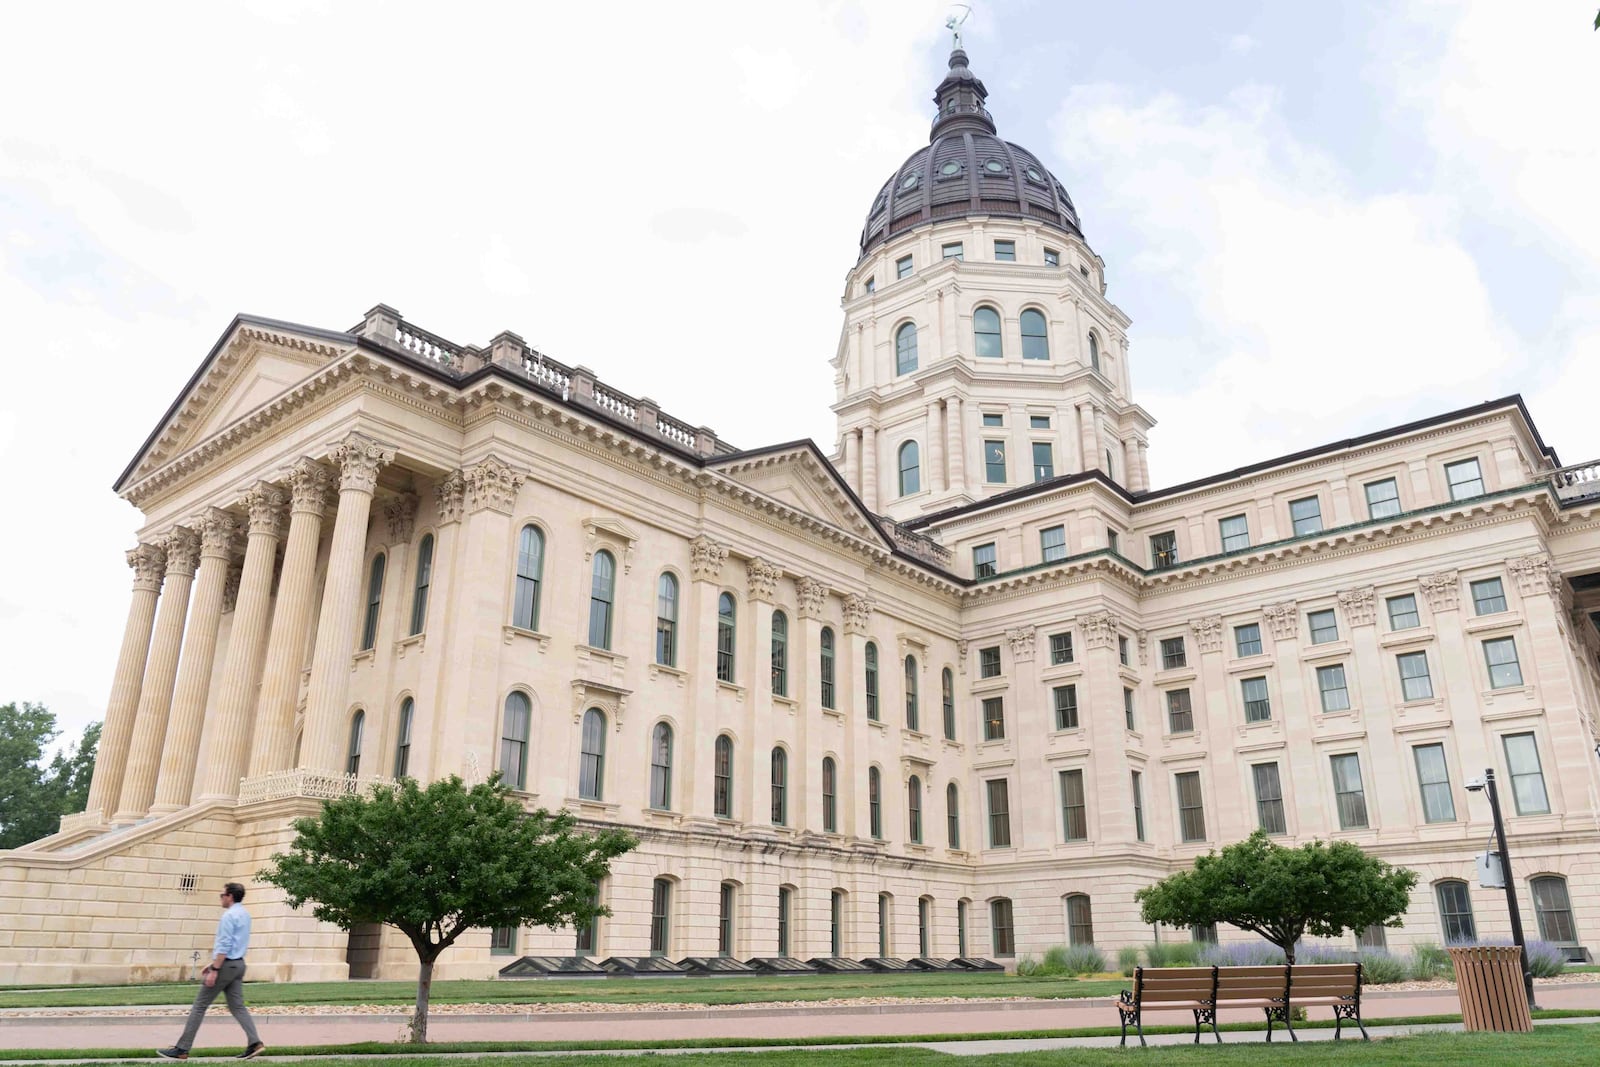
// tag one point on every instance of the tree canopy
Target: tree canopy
(34, 794)
(1282, 893)
(438, 861)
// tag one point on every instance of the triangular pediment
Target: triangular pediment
(798, 477)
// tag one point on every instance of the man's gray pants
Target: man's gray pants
(230, 983)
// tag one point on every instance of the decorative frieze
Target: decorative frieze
(706, 558)
(1535, 575)
(400, 511)
(149, 565)
(857, 613)
(762, 577)
(182, 547)
(308, 486)
(451, 495)
(1283, 619)
(360, 458)
(1021, 641)
(812, 595)
(1442, 589)
(1207, 633)
(492, 484)
(1099, 630)
(1358, 605)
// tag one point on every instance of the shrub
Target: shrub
(1546, 960)
(1028, 967)
(1429, 961)
(1173, 954)
(1062, 960)
(1055, 961)
(1242, 954)
(1128, 959)
(1084, 959)
(1322, 952)
(1380, 968)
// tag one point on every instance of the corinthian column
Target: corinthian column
(182, 745)
(155, 696)
(228, 738)
(359, 459)
(273, 747)
(148, 563)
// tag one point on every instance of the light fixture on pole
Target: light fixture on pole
(1486, 785)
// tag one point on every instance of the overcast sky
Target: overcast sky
(1323, 219)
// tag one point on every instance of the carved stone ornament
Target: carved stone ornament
(492, 484)
(1207, 633)
(360, 458)
(218, 532)
(1358, 605)
(812, 595)
(182, 546)
(706, 558)
(400, 511)
(1443, 590)
(1535, 575)
(266, 502)
(1099, 630)
(230, 584)
(149, 565)
(1021, 641)
(961, 656)
(471, 773)
(612, 701)
(1144, 648)
(451, 497)
(763, 578)
(857, 613)
(602, 533)
(1283, 619)
(308, 484)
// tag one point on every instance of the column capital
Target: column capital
(1535, 575)
(1100, 629)
(813, 595)
(265, 503)
(1442, 590)
(763, 578)
(1359, 605)
(492, 484)
(182, 546)
(857, 613)
(218, 531)
(400, 511)
(149, 563)
(1283, 619)
(1207, 633)
(308, 485)
(451, 496)
(706, 558)
(360, 458)
(1021, 640)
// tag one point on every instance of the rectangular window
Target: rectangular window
(1527, 776)
(725, 920)
(1553, 906)
(1113, 541)
(1235, 533)
(1372, 937)
(1000, 922)
(1306, 514)
(994, 718)
(1350, 797)
(1053, 543)
(1052, 258)
(994, 462)
(1044, 464)
(1257, 704)
(984, 561)
(952, 251)
(1415, 682)
(1383, 499)
(503, 941)
(999, 794)
(1269, 798)
(1065, 698)
(1247, 639)
(1191, 809)
(1038, 422)
(1324, 626)
(902, 267)
(1164, 549)
(1127, 706)
(989, 662)
(589, 935)
(1138, 805)
(1504, 670)
(660, 916)
(1074, 813)
(1403, 612)
(872, 285)
(1488, 596)
(1005, 251)
(1465, 479)
(1122, 649)
(1060, 649)
(1180, 713)
(785, 905)
(1173, 654)
(1331, 685)
(1455, 912)
(991, 418)
(1433, 778)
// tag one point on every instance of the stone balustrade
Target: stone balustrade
(317, 785)
(1578, 482)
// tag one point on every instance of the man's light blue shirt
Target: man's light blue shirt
(233, 932)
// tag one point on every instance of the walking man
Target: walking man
(225, 975)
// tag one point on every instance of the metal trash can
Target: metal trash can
(1489, 982)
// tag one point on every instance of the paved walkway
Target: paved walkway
(123, 1031)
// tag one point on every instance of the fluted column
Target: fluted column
(955, 451)
(1139, 467)
(869, 466)
(228, 739)
(182, 547)
(1088, 435)
(149, 564)
(181, 748)
(273, 746)
(359, 459)
(934, 435)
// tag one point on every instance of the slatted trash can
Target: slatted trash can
(1489, 981)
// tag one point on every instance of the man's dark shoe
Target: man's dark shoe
(173, 1053)
(252, 1051)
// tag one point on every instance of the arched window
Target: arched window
(1094, 350)
(369, 628)
(905, 349)
(872, 681)
(829, 698)
(725, 918)
(836, 923)
(661, 767)
(358, 725)
(912, 709)
(780, 787)
(910, 469)
(830, 795)
(1080, 920)
(961, 928)
(667, 620)
(725, 634)
(1455, 912)
(952, 816)
(986, 332)
(592, 760)
(885, 909)
(660, 916)
(1035, 337)
(722, 773)
(1553, 906)
(602, 589)
(1000, 928)
(419, 591)
(780, 654)
(514, 729)
(530, 571)
(925, 927)
(914, 809)
(875, 802)
(947, 699)
(402, 744)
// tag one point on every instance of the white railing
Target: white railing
(280, 785)
(918, 545)
(547, 372)
(673, 430)
(614, 402)
(425, 346)
(1578, 482)
(82, 820)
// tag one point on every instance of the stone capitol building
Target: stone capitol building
(958, 686)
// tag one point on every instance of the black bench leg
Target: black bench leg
(1269, 1024)
(1197, 1015)
(1138, 1024)
(1341, 1012)
(1288, 1021)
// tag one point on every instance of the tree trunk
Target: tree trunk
(1288, 953)
(419, 1021)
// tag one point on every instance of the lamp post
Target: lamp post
(1486, 784)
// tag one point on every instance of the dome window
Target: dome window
(1034, 175)
(994, 166)
(950, 168)
(909, 182)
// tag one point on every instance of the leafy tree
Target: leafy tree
(1282, 893)
(33, 795)
(438, 861)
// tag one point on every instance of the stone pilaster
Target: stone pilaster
(869, 467)
(955, 444)
(149, 565)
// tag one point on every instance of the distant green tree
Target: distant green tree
(1282, 893)
(34, 795)
(438, 861)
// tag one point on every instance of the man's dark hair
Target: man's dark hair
(234, 890)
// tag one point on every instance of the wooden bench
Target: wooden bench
(1277, 991)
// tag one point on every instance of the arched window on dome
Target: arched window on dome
(905, 348)
(1094, 350)
(986, 332)
(1035, 339)
(910, 469)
